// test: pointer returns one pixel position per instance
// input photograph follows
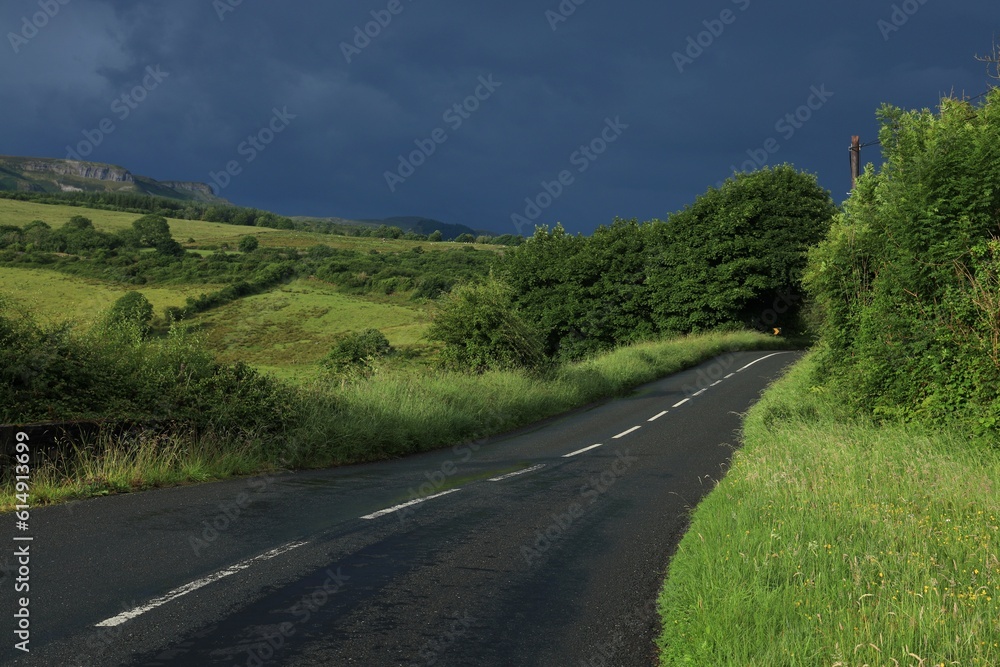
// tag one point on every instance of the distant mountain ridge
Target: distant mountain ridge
(412, 223)
(29, 174)
(421, 225)
(54, 175)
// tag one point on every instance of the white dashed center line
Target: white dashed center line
(653, 419)
(624, 433)
(581, 451)
(396, 508)
(515, 474)
(716, 383)
(677, 405)
(195, 585)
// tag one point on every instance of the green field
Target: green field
(286, 331)
(290, 329)
(20, 213)
(57, 297)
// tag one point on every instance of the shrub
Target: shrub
(483, 330)
(132, 308)
(358, 350)
(248, 244)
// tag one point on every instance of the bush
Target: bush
(483, 330)
(358, 350)
(248, 244)
(111, 373)
(132, 308)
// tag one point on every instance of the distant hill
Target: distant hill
(420, 225)
(29, 174)
(415, 224)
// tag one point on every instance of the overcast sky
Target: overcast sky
(637, 107)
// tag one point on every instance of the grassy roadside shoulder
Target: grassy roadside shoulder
(395, 413)
(833, 541)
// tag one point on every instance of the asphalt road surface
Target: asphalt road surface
(547, 546)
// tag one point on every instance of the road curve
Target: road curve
(547, 546)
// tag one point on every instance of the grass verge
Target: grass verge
(394, 413)
(835, 541)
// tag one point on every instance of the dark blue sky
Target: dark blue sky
(637, 107)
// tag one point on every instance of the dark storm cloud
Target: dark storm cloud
(228, 68)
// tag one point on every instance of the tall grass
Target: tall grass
(833, 541)
(394, 413)
(402, 412)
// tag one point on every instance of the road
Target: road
(547, 546)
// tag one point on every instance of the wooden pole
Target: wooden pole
(855, 160)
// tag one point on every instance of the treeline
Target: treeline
(731, 260)
(395, 232)
(79, 237)
(907, 283)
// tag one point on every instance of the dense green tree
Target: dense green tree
(78, 222)
(248, 244)
(131, 309)
(152, 230)
(739, 251)
(544, 275)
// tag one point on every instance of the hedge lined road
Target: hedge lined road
(545, 547)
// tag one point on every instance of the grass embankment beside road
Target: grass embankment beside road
(394, 413)
(836, 541)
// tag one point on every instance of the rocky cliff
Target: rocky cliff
(54, 175)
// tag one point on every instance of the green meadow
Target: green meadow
(58, 297)
(290, 329)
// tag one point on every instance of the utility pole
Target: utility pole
(855, 161)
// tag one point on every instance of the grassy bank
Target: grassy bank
(397, 412)
(833, 541)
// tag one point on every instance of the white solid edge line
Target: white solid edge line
(516, 473)
(581, 451)
(653, 419)
(624, 433)
(396, 508)
(195, 585)
(677, 405)
(761, 359)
